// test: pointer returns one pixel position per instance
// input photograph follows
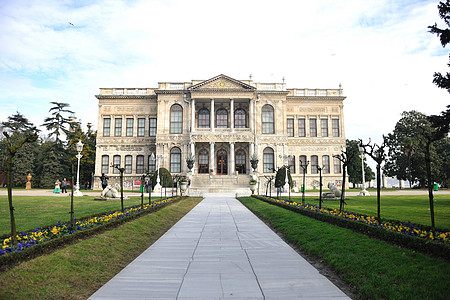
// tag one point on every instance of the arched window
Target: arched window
(140, 164)
(151, 164)
(203, 118)
(222, 118)
(105, 164)
(176, 119)
(291, 163)
(337, 165)
(326, 164)
(268, 119)
(240, 118)
(175, 160)
(203, 161)
(240, 161)
(314, 164)
(268, 160)
(303, 166)
(128, 164)
(116, 162)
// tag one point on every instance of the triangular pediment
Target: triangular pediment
(221, 82)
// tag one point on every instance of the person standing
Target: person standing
(146, 185)
(57, 187)
(104, 180)
(64, 186)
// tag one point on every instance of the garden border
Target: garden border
(411, 242)
(13, 258)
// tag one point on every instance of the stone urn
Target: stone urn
(28, 184)
(254, 164)
(252, 184)
(183, 187)
(190, 164)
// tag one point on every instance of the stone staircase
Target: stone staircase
(205, 183)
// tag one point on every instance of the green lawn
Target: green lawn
(31, 212)
(413, 208)
(374, 269)
(78, 270)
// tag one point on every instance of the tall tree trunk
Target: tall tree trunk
(430, 183)
(341, 207)
(378, 192)
(11, 207)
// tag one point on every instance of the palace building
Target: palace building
(222, 122)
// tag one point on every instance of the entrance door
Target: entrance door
(222, 162)
(240, 162)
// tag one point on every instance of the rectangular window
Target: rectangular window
(141, 127)
(118, 127)
(130, 122)
(290, 127)
(291, 163)
(337, 165)
(313, 127)
(151, 164)
(140, 164)
(335, 124)
(301, 127)
(105, 164)
(324, 127)
(268, 162)
(128, 164)
(106, 126)
(152, 129)
(116, 162)
(326, 164)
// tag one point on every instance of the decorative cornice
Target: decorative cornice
(124, 96)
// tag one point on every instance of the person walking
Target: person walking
(104, 180)
(64, 186)
(57, 187)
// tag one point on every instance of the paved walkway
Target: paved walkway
(219, 250)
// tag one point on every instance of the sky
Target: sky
(380, 51)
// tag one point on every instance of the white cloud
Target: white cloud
(379, 50)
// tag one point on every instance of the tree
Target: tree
(345, 157)
(87, 163)
(354, 166)
(58, 122)
(13, 144)
(406, 136)
(377, 153)
(442, 81)
(18, 126)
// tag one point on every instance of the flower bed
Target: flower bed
(42, 236)
(409, 235)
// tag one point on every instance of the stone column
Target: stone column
(232, 168)
(232, 114)
(211, 115)
(250, 115)
(211, 157)
(192, 145)
(192, 115)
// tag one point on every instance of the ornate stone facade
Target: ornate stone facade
(222, 121)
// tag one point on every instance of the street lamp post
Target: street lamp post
(152, 160)
(304, 175)
(77, 192)
(363, 191)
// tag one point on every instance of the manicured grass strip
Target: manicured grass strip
(412, 208)
(77, 271)
(374, 269)
(31, 212)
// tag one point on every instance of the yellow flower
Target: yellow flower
(55, 230)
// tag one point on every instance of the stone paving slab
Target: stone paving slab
(219, 250)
